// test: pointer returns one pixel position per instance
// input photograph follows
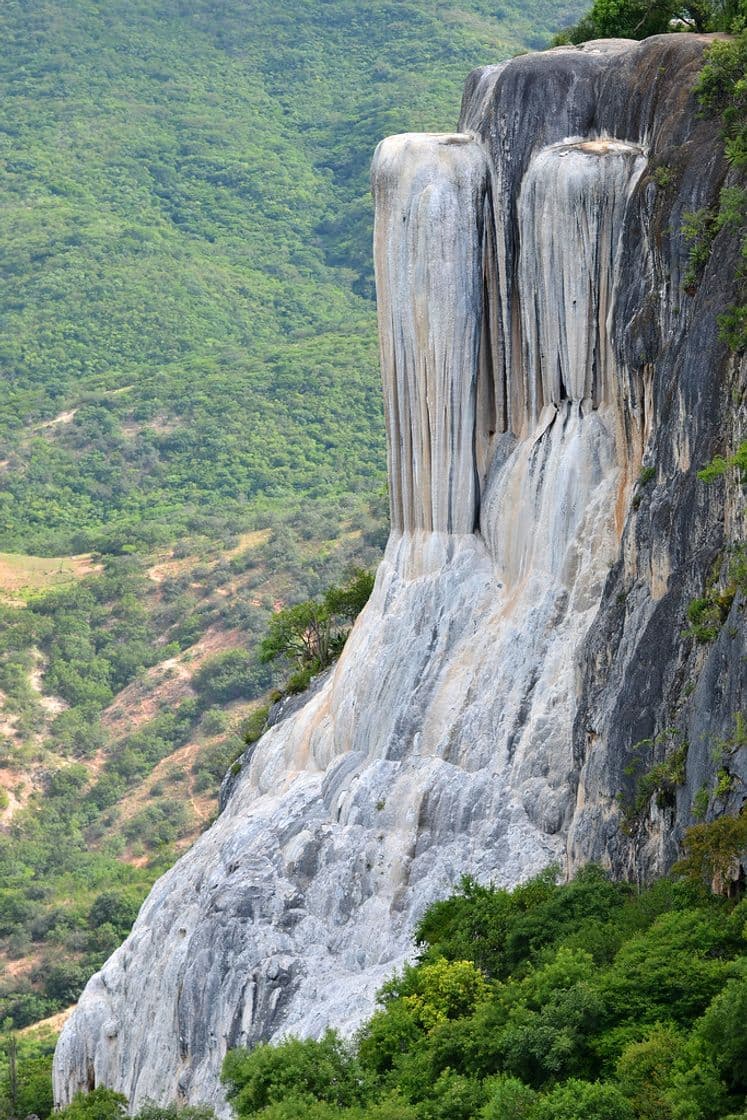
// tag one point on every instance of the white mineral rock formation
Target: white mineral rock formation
(443, 742)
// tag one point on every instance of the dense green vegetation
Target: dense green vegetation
(186, 249)
(25, 1074)
(586, 1001)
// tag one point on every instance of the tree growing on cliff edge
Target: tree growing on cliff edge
(637, 19)
(310, 635)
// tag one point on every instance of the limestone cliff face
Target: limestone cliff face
(525, 630)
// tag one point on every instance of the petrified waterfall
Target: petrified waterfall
(513, 261)
(431, 210)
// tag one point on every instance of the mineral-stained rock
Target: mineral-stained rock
(525, 630)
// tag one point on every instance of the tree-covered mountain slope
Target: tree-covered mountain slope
(186, 277)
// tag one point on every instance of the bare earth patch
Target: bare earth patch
(165, 684)
(52, 705)
(53, 1025)
(62, 418)
(253, 539)
(18, 789)
(169, 568)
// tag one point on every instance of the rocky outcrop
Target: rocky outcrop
(525, 631)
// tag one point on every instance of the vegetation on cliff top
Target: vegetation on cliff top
(637, 19)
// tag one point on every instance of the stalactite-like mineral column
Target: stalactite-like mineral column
(431, 193)
(571, 211)
(564, 389)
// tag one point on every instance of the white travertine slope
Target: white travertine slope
(443, 742)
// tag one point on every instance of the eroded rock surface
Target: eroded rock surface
(525, 630)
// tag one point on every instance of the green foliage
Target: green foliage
(114, 908)
(637, 19)
(719, 465)
(301, 635)
(663, 176)
(437, 992)
(700, 802)
(232, 675)
(584, 1100)
(67, 844)
(708, 613)
(215, 760)
(25, 1077)
(644, 1071)
(310, 635)
(660, 781)
(646, 475)
(306, 1070)
(722, 91)
(500, 929)
(99, 1104)
(510, 1099)
(95, 637)
(723, 1030)
(71, 903)
(713, 851)
(175, 1112)
(255, 726)
(158, 824)
(699, 228)
(652, 1028)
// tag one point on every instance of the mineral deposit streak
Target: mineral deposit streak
(508, 260)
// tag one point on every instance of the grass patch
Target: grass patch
(22, 576)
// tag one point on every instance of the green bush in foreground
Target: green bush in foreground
(105, 1104)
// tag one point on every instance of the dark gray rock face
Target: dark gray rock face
(684, 398)
(523, 648)
(640, 677)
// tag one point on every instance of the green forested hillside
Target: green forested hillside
(190, 420)
(185, 270)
